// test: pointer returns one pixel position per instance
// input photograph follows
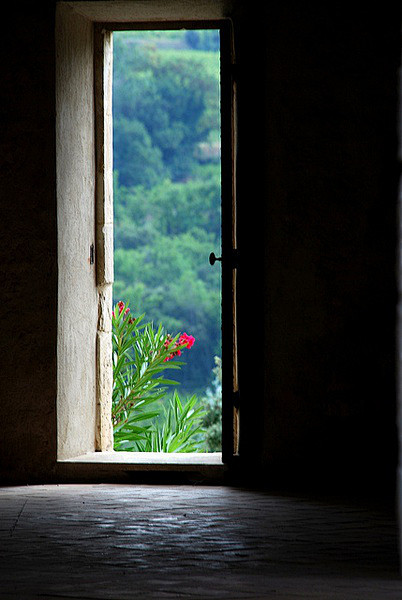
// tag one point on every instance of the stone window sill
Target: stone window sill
(148, 458)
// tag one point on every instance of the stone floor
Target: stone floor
(187, 541)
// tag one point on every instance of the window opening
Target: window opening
(167, 220)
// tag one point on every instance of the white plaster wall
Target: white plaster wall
(77, 292)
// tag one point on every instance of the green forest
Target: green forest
(166, 116)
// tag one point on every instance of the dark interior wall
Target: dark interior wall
(322, 210)
(28, 250)
(317, 232)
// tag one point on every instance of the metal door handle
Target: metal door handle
(213, 258)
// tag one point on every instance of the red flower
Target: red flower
(184, 340)
(121, 306)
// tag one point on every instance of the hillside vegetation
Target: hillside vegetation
(167, 187)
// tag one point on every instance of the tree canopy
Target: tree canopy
(167, 192)
(164, 105)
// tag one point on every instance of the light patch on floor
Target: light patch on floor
(199, 542)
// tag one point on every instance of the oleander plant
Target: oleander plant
(146, 417)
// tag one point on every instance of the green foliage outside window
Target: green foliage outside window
(164, 104)
(167, 194)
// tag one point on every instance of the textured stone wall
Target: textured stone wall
(318, 144)
(28, 243)
(77, 293)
